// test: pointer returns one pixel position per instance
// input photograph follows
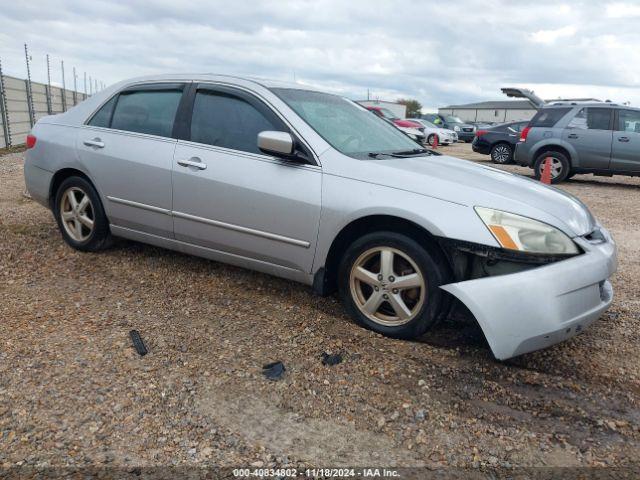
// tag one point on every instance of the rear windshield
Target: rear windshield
(548, 117)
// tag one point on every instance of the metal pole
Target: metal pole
(49, 109)
(32, 117)
(64, 88)
(75, 87)
(90, 86)
(96, 89)
(4, 114)
(85, 85)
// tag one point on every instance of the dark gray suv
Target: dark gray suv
(597, 137)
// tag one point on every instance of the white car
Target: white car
(432, 131)
(414, 133)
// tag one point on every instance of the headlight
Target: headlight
(456, 128)
(514, 232)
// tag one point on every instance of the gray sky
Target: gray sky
(438, 52)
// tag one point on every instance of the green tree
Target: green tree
(414, 107)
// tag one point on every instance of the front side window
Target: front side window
(147, 111)
(347, 127)
(592, 119)
(548, 117)
(228, 121)
(629, 121)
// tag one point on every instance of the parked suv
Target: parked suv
(596, 137)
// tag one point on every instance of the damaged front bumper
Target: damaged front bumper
(538, 307)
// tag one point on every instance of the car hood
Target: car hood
(464, 182)
(408, 124)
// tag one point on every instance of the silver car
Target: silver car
(310, 186)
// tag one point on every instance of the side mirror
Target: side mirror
(276, 143)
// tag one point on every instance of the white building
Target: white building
(499, 111)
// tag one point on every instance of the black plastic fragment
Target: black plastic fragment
(273, 371)
(138, 344)
(331, 359)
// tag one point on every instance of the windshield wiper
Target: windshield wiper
(415, 151)
(402, 154)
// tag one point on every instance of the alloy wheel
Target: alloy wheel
(556, 167)
(387, 286)
(501, 154)
(77, 215)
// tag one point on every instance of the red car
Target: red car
(388, 115)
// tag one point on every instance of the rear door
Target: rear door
(127, 148)
(233, 198)
(625, 154)
(591, 133)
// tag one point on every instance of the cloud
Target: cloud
(623, 10)
(438, 52)
(549, 37)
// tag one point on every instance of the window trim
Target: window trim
(154, 86)
(185, 113)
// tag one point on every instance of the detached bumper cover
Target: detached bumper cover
(533, 309)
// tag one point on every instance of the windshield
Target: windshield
(452, 119)
(348, 127)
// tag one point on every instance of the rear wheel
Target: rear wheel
(560, 166)
(390, 284)
(502, 153)
(80, 216)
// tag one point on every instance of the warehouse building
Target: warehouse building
(499, 111)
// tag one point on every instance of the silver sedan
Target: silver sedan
(310, 186)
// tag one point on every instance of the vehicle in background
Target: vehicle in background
(601, 138)
(431, 132)
(498, 141)
(336, 199)
(390, 116)
(465, 131)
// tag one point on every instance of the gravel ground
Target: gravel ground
(74, 392)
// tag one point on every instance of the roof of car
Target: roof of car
(181, 77)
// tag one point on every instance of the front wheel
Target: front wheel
(390, 284)
(431, 139)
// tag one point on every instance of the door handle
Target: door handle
(96, 142)
(572, 135)
(623, 139)
(193, 162)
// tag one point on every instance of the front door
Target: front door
(230, 197)
(625, 155)
(590, 133)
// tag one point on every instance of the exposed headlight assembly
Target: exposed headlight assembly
(456, 128)
(523, 234)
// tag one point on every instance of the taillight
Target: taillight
(479, 133)
(31, 141)
(524, 134)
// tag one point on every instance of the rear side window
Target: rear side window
(548, 117)
(228, 121)
(102, 118)
(592, 119)
(147, 111)
(629, 121)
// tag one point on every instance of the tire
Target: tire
(93, 233)
(560, 166)
(421, 306)
(431, 138)
(502, 153)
